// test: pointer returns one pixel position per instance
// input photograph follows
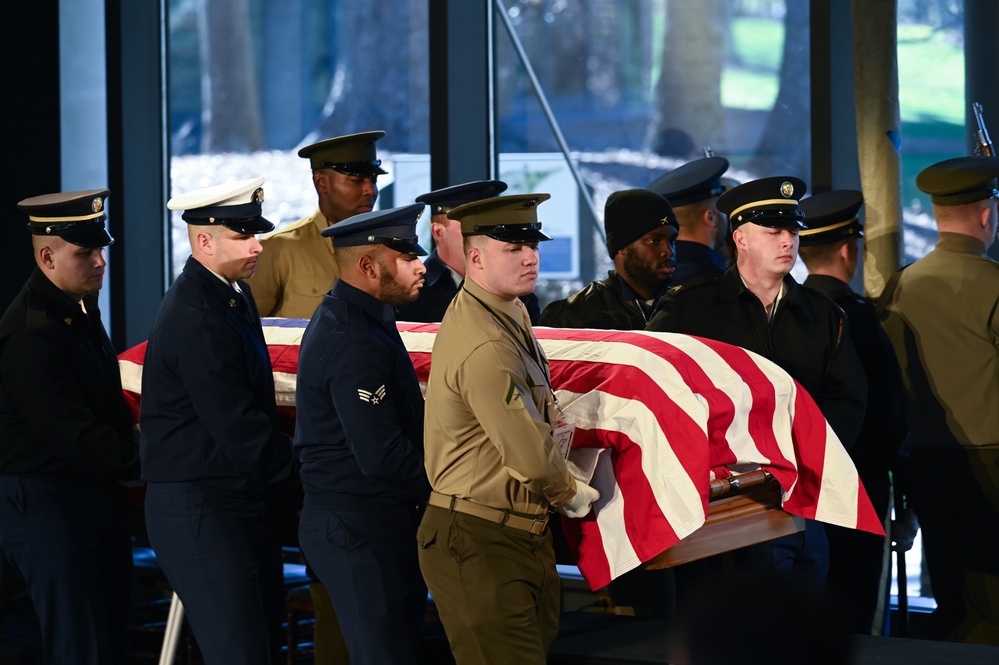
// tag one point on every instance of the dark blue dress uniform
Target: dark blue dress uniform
(65, 442)
(695, 260)
(439, 287)
(807, 336)
(211, 451)
(687, 185)
(856, 558)
(359, 440)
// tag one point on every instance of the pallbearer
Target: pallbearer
(65, 437)
(359, 438)
(212, 450)
(496, 470)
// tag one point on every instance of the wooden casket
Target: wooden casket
(661, 421)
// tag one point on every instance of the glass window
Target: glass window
(931, 105)
(636, 88)
(252, 81)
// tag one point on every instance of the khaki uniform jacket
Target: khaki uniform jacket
(943, 320)
(488, 436)
(295, 270)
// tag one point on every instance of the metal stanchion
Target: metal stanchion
(171, 638)
(899, 505)
(903, 594)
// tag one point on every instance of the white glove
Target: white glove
(579, 504)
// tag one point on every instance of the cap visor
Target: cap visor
(778, 223)
(254, 225)
(93, 237)
(412, 250)
(525, 235)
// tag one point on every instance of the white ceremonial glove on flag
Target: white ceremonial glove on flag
(580, 503)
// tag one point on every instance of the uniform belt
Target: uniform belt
(448, 502)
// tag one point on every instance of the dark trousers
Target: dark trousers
(800, 558)
(496, 588)
(225, 567)
(366, 559)
(955, 494)
(71, 547)
(856, 574)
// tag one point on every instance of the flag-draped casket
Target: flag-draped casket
(658, 416)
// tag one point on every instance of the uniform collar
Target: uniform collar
(960, 243)
(514, 309)
(320, 222)
(370, 305)
(690, 251)
(828, 283)
(731, 286)
(58, 298)
(212, 281)
(436, 268)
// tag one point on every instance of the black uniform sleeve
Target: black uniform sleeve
(843, 396)
(213, 371)
(55, 399)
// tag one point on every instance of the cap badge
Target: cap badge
(372, 397)
(786, 189)
(371, 238)
(258, 195)
(664, 221)
(97, 204)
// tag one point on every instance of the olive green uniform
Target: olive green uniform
(943, 320)
(488, 438)
(295, 270)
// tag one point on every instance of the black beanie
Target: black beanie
(631, 213)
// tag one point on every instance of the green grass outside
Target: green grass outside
(930, 70)
(931, 88)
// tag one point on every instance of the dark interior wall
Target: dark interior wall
(31, 129)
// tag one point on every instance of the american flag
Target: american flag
(658, 416)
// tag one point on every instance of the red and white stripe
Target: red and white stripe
(663, 414)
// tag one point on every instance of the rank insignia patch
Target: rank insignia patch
(373, 397)
(514, 398)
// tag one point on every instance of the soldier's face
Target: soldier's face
(235, 254)
(506, 269)
(342, 196)
(649, 262)
(400, 278)
(77, 271)
(448, 239)
(765, 251)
